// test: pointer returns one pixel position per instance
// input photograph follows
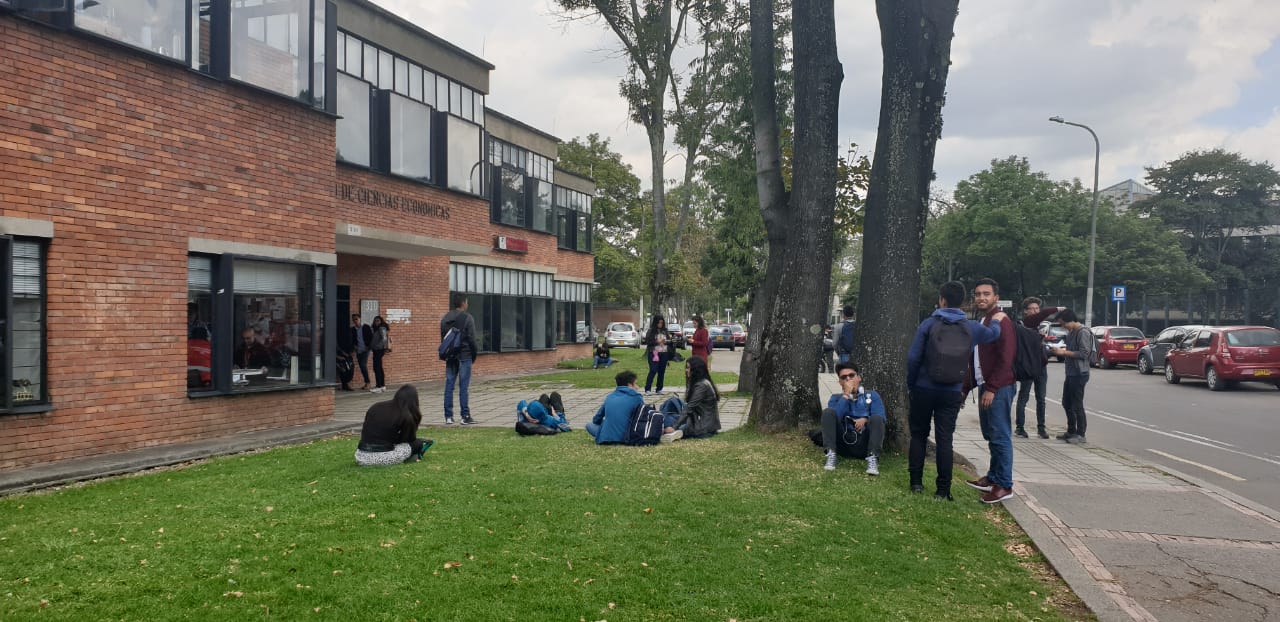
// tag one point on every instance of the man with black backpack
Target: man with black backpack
(937, 363)
(609, 425)
(1031, 366)
(458, 367)
(844, 341)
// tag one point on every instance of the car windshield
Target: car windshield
(1126, 333)
(688, 325)
(1253, 338)
(737, 328)
(621, 327)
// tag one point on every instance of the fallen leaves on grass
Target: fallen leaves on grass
(449, 565)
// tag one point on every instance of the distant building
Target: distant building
(1126, 193)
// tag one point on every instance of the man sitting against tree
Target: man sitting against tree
(853, 422)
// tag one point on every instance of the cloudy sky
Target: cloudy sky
(1154, 78)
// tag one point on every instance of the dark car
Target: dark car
(1118, 344)
(1224, 355)
(1152, 355)
(676, 335)
(722, 337)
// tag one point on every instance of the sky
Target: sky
(1153, 78)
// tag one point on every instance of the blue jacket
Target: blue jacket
(615, 413)
(917, 375)
(865, 404)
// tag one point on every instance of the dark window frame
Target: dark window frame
(42, 402)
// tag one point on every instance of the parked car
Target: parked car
(622, 334)
(676, 335)
(721, 337)
(739, 335)
(1224, 355)
(1054, 337)
(1118, 344)
(1152, 355)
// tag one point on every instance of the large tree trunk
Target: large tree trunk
(916, 41)
(658, 287)
(786, 383)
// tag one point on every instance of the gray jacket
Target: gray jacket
(1081, 342)
(702, 412)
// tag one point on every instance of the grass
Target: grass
(492, 526)
(578, 373)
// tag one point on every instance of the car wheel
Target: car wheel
(1169, 376)
(1144, 365)
(1211, 378)
(1105, 363)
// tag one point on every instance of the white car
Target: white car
(622, 334)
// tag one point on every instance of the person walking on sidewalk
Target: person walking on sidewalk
(458, 369)
(937, 363)
(853, 422)
(1078, 351)
(1032, 315)
(992, 375)
(844, 336)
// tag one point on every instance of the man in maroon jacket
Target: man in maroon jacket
(992, 375)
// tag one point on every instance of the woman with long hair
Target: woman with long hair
(698, 415)
(381, 346)
(390, 431)
(656, 352)
(700, 342)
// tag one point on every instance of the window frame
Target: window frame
(42, 402)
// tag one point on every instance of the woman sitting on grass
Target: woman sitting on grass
(698, 415)
(389, 434)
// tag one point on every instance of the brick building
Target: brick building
(195, 195)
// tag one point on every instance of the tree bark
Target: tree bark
(786, 392)
(916, 41)
(657, 152)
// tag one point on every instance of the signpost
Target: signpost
(1118, 295)
(1004, 304)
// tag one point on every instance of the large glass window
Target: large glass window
(158, 27)
(353, 128)
(573, 219)
(463, 153)
(543, 212)
(513, 308)
(22, 323)
(410, 138)
(573, 312)
(509, 199)
(200, 323)
(271, 45)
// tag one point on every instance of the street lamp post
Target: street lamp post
(1093, 220)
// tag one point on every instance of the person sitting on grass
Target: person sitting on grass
(602, 356)
(542, 416)
(698, 414)
(853, 422)
(390, 431)
(609, 425)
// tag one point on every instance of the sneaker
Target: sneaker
(1064, 436)
(981, 483)
(468, 421)
(873, 465)
(658, 392)
(917, 489)
(997, 494)
(832, 459)
(426, 445)
(1020, 433)
(448, 420)
(672, 436)
(557, 403)
(648, 392)
(1077, 439)
(942, 496)
(564, 427)
(1042, 433)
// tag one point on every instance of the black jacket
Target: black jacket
(465, 323)
(702, 411)
(385, 425)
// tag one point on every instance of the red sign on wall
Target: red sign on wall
(510, 245)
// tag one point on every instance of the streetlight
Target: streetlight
(1093, 220)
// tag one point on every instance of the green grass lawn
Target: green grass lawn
(492, 526)
(578, 372)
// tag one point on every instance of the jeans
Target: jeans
(593, 429)
(1073, 403)
(460, 371)
(656, 368)
(1040, 384)
(939, 408)
(837, 437)
(995, 422)
(843, 358)
(379, 376)
(671, 412)
(600, 360)
(363, 358)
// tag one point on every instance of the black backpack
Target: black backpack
(947, 350)
(645, 426)
(1030, 360)
(846, 337)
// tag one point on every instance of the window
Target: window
(573, 219)
(271, 45)
(543, 212)
(410, 138)
(22, 323)
(512, 308)
(353, 128)
(463, 155)
(157, 27)
(509, 198)
(573, 312)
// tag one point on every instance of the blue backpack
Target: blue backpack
(451, 344)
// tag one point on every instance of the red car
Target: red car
(739, 335)
(1118, 344)
(1224, 355)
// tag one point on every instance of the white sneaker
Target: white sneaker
(831, 461)
(648, 392)
(672, 436)
(658, 392)
(448, 421)
(873, 465)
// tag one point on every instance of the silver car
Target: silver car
(622, 334)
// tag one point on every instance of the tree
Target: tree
(915, 37)
(786, 388)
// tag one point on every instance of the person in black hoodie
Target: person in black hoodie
(390, 431)
(459, 367)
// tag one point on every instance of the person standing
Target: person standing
(1078, 351)
(937, 363)
(700, 342)
(853, 422)
(459, 368)
(992, 376)
(381, 347)
(826, 364)
(1032, 315)
(844, 340)
(361, 336)
(656, 353)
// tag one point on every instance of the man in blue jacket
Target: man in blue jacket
(934, 401)
(609, 425)
(853, 421)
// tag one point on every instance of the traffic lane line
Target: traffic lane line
(1194, 463)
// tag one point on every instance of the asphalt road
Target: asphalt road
(1230, 439)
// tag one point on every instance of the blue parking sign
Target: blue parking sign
(1117, 293)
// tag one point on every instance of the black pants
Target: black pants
(656, 368)
(1040, 384)
(1073, 403)
(379, 376)
(939, 408)
(835, 436)
(363, 359)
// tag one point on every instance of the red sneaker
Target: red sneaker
(997, 494)
(982, 483)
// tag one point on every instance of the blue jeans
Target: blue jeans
(461, 371)
(671, 411)
(995, 423)
(593, 429)
(843, 358)
(600, 360)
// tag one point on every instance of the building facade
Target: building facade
(196, 195)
